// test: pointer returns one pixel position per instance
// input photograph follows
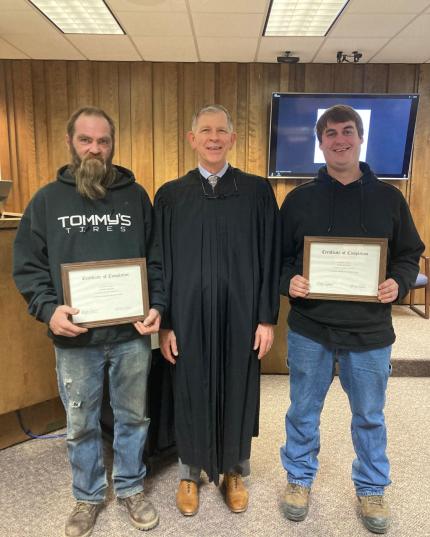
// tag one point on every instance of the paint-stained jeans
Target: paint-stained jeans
(80, 374)
(363, 376)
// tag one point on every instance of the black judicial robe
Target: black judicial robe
(221, 259)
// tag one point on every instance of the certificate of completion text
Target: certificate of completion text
(344, 269)
(106, 293)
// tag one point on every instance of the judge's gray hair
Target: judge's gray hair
(212, 109)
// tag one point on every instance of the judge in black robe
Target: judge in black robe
(221, 257)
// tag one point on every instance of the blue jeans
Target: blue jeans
(363, 376)
(80, 374)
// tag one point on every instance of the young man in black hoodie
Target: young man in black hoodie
(345, 200)
(94, 211)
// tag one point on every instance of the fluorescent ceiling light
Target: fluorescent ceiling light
(302, 17)
(80, 16)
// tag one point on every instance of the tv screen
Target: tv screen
(388, 120)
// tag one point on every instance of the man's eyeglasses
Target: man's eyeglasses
(212, 196)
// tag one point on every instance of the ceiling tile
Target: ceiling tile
(304, 47)
(420, 27)
(386, 6)
(49, 46)
(226, 25)
(368, 47)
(402, 50)
(105, 47)
(9, 52)
(235, 49)
(155, 24)
(227, 6)
(23, 22)
(166, 49)
(14, 4)
(148, 5)
(376, 25)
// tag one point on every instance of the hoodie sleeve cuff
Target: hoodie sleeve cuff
(46, 312)
(159, 308)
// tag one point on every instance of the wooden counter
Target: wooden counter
(27, 361)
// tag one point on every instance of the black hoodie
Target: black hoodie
(61, 226)
(367, 207)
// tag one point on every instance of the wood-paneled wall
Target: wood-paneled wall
(152, 105)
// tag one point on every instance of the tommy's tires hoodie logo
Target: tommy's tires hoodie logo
(83, 223)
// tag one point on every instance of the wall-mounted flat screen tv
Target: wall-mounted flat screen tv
(388, 120)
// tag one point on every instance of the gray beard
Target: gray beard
(92, 175)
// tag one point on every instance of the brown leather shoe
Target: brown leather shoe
(236, 495)
(187, 497)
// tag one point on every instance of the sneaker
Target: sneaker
(142, 513)
(374, 513)
(82, 519)
(296, 502)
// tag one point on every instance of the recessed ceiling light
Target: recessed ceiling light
(80, 16)
(302, 17)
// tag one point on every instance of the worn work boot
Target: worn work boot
(236, 495)
(82, 519)
(375, 513)
(296, 502)
(187, 497)
(141, 512)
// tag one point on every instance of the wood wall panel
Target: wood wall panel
(124, 110)
(5, 171)
(166, 139)
(57, 90)
(420, 186)
(43, 172)
(142, 140)
(15, 199)
(227, 90)
(348, 78)
(152, 104)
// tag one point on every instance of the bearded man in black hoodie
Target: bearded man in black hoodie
(345, 200)
(94, 211)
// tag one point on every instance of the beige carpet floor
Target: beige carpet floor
(412, 335)
(35, 479)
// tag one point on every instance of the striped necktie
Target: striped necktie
(213, 180)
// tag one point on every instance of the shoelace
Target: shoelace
(377, 500)
(297, 489)
(136, 498)
(84, 507)
(234, 478)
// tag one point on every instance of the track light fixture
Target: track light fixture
(354, 57)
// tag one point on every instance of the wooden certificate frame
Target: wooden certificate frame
(106, 292)
(344, 268)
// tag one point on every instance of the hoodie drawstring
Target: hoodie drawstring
(331, 206)
(362, 224)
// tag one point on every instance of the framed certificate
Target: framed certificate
(106, 292)
(344, 268)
